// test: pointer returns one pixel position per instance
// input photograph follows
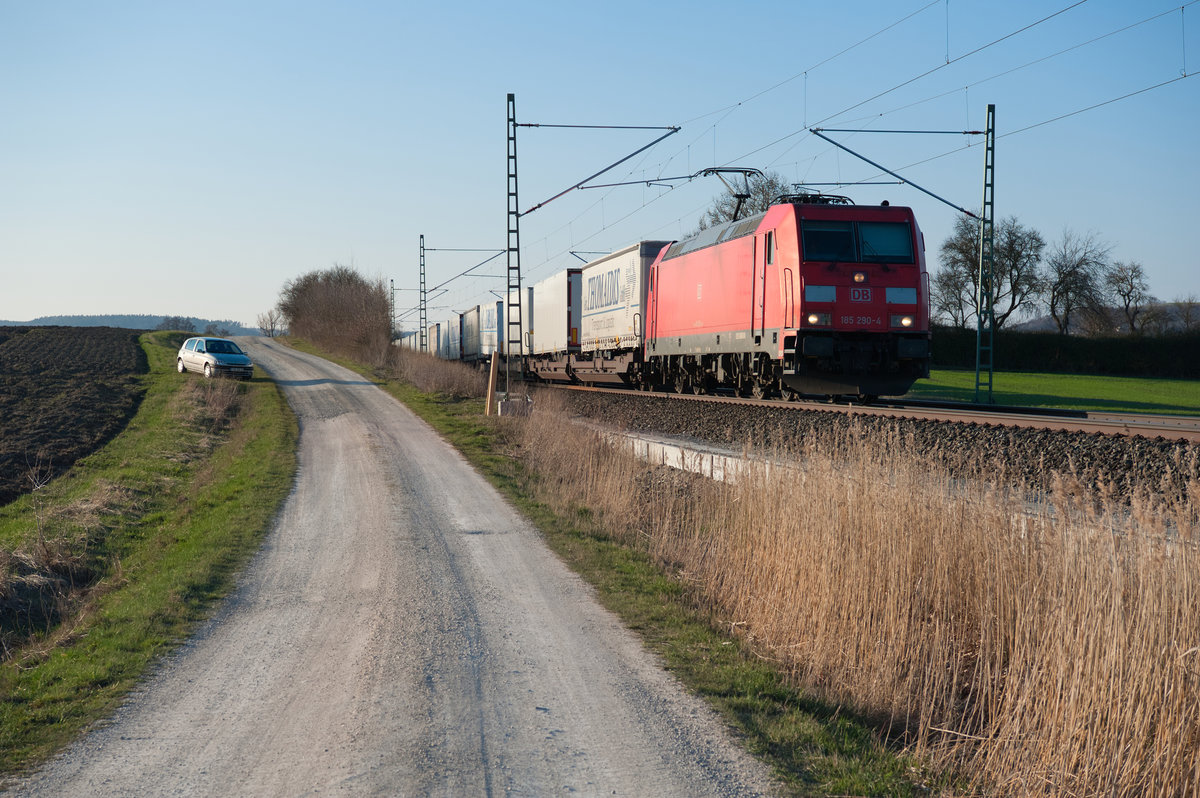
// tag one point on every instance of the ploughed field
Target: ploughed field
(64, 392)
(1018, 454)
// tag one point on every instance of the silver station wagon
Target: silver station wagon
(214, 357)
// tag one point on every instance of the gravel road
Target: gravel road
(402, 632)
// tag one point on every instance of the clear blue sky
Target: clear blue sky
(189, 158)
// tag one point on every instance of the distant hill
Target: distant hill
(131, 322)
(1038, 324)
(1165, 318)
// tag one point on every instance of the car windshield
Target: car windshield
(222, 348)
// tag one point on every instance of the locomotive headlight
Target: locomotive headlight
(818, 319)
(860, 277)
(902, 321)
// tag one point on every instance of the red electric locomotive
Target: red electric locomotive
(814, 296)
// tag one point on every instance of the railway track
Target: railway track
(1179, 428)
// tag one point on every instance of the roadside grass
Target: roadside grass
(162, 517)
(815, 748)
(1068, 392)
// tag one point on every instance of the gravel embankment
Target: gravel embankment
(1029, 456)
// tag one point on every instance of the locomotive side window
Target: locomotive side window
(828, 240)
(770, 247)
(886, 241)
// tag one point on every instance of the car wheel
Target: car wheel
(208, 372)
(179, 365)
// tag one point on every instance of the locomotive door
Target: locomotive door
(789, 300)
(764, 247)
(651, 311)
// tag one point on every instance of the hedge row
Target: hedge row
(1174, 356)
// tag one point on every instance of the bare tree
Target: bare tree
(952, 295)
(1097, 321)
(270, 323)
(1075, 272)
(1016, 281)
(1156, 319)
(764, 189)
(1127, 286)
(1188, 308)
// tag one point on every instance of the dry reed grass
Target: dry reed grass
(430, 374)
(213, 402)
(1045, 648)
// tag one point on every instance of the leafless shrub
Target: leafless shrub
(270, 323)
(39, 474)
(341, 311)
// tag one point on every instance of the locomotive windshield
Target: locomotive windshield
(829, 241)
(886, 241)
(857, 242)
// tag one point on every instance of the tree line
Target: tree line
(186, 324)
(1074, 280)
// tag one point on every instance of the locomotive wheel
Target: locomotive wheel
(758, 390)
(681, 383)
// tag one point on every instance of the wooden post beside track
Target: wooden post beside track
(491, 389)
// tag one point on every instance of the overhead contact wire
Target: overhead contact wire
(940, 67)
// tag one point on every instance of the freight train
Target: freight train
(816, 295)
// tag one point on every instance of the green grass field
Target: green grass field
(1068, 392)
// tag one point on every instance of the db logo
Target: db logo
(860, 294)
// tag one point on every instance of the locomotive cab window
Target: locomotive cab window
(828, 240)
(889, 242)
